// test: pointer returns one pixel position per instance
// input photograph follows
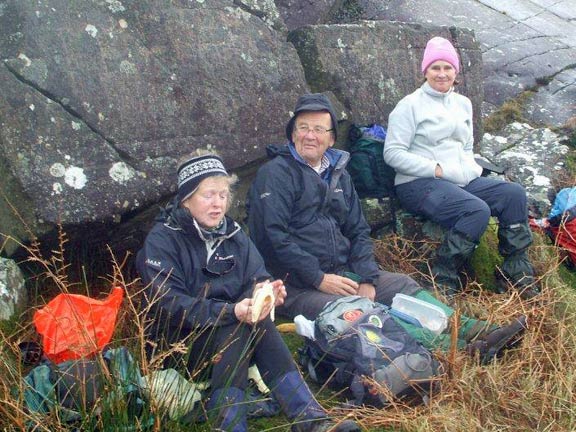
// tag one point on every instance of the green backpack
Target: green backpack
(372, 177)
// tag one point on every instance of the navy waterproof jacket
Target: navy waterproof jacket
(306, 225)
(185, 287)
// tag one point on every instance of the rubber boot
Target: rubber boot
(517, 270)
(303, 410)
(454, 251)
(497, 341)
(228, 407)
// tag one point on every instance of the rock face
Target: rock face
(371, 65)
(298, 13)
(101, 99)
(12, 288)
(525, 45)
(532, 157)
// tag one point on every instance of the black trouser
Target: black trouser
(309, 301)
(466, 209)
(226, 353)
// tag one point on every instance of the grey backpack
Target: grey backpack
(360, 348)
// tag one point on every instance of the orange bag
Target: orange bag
(74, 326)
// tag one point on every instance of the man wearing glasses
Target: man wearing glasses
(305, 218)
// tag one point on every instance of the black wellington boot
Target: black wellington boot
(451, 256)
(497, 341)
(517, 271)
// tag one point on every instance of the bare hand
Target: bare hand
(243, 311)
(438, 172)
(367, 290)
(339, 285)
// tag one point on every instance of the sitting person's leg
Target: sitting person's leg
(476, 336)
(307, 302)
(389, 284)
(281, 375)
(464, 215)
(508, 202)
(469, 330)
(225, 352)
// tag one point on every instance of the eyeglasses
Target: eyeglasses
(316, 130)
(219, 266)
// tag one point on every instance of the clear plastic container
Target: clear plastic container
(430, 316)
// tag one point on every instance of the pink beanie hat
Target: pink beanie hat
(439, 48)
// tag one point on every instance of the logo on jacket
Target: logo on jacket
(375, 320)
(154, 263)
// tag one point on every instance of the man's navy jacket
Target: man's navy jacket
(304, 224)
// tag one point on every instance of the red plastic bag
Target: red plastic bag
(74, 326)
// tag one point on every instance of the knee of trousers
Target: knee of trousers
(513, 204)
(388, 285)
(515, 192)
(474, 221)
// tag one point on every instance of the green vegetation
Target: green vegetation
(486, 258)
(511, 111)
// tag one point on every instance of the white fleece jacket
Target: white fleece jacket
(429, 128)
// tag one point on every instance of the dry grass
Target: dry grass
(531, 388)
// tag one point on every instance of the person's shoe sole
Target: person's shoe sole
(507, 343)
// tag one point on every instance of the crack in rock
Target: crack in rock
(121, 153)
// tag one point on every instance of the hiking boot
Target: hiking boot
(517, 272)
(451, 255)
(330, 426)
(526, 286)
(228, 409)
(497, 341)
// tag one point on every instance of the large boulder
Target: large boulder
(101, 99)
(298, 13)
(525, 45)
(371, 65)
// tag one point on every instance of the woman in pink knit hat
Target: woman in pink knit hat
(429, 144)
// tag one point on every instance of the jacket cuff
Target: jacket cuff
(229, 315)
(318, 279)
